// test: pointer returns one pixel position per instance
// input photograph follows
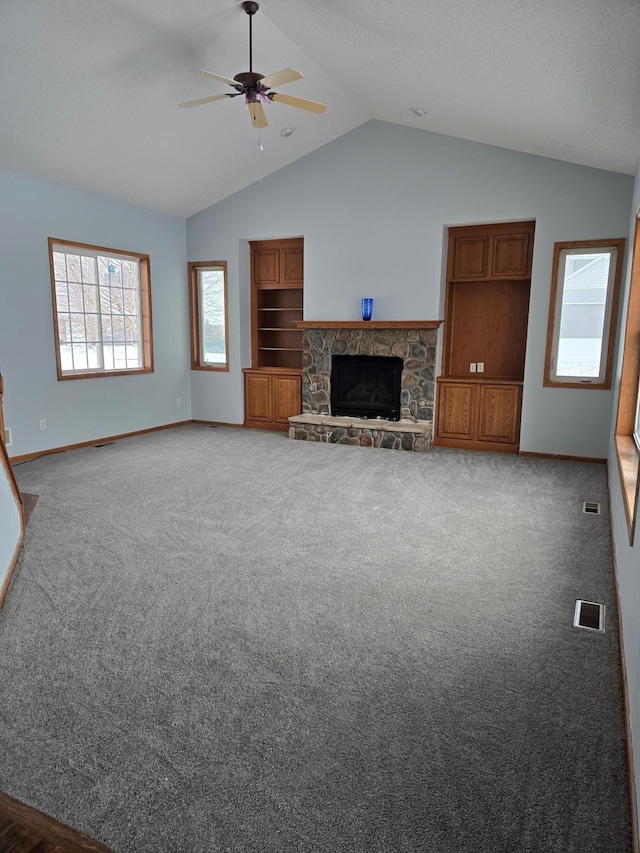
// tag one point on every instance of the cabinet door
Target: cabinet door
(471, 257)
(499, 413)
(287, 397)
(512, 256)
(257, 393)
(457, 413)
(266, 267)
(292, 265)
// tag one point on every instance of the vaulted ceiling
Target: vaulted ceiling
(89, 88)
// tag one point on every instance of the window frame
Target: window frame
(611, 313)
(627, 451)
(197, 362)
(146, 343)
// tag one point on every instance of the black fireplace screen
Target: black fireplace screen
(366, 386)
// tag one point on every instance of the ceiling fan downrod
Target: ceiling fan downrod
(250, 7)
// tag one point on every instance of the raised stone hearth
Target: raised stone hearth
(413, 341)
(362, 432)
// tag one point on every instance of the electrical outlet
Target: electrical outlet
(472, 367)
(178, 402)
(43, 424)
(481, 367)
(8, 440)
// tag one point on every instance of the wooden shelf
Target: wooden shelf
(367, 324)
(480, 380)
(281, 349)
(262, 308)
(278, 329)
(290, 371)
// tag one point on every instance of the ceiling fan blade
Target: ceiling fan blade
(213, 76)
(279, 78)
(257, 113)
(199, 101)
(301, 103)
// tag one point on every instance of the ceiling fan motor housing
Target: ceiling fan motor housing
(249, 79)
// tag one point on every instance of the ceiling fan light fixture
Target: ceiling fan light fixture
(418, 111)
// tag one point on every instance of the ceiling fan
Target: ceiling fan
(255, 87)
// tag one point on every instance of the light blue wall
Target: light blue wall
(81, 410)
(373, 207)
(9, 524)
(627, 558)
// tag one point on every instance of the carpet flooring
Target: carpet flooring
(223, 640)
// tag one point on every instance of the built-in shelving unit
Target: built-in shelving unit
(479, 394)
(272, 384)
(277, 287)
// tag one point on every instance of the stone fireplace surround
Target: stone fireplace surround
(412, 340)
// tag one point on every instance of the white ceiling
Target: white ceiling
(89, 88)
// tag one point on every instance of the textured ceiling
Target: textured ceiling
(89, 90)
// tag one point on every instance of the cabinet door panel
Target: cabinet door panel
(499, 413)
(266, 267)
(457, 415)
(511, 256)
(471, 257)
(292, 266)
(287, 397)
(257, 401)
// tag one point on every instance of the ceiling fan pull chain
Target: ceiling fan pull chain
(260, 150)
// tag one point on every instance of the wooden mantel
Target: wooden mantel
(367, 324)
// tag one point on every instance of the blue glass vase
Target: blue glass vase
(367, 309)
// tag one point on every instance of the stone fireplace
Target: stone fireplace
(412, 341)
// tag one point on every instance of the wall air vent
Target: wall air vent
(8, 440)
(591, 507)
(589, 615)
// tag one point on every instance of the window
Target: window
(582, 313)
(102, 310)
(628, 417)
(209, 327)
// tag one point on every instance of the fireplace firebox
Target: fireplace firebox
(366, 386)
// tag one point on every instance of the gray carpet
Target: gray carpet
(223, 640)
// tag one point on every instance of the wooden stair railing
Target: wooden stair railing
(6, 474)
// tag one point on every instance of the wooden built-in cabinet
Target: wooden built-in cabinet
(480, 412)
(273, 383)
(486, 318)
(270, 399)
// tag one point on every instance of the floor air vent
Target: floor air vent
(591, 508)
(589, 615)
